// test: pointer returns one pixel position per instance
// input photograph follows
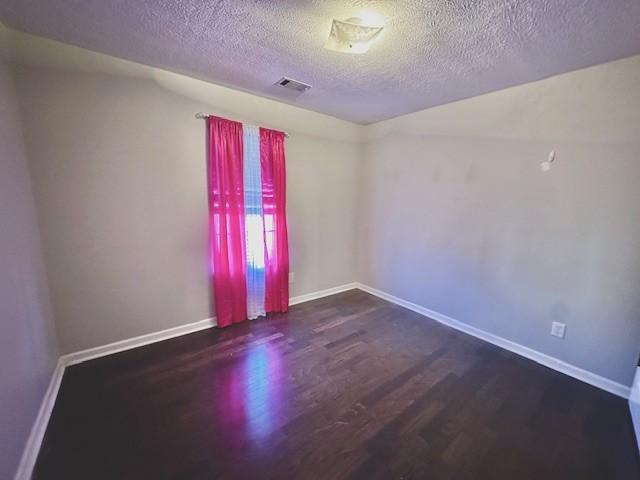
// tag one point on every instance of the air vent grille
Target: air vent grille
(292, 84)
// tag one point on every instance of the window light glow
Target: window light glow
(254, 240)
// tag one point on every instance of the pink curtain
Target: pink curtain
(226, 219)
(272, 165)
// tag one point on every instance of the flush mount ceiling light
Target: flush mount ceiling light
(352, 36)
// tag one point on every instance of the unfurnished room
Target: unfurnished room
(320, 240)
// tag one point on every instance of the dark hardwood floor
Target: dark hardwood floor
(345, 387)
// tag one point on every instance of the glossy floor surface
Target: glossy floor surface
(345, 387)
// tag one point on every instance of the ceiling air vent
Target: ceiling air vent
(292, 84)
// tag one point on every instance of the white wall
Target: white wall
(28, 348)
(458, 217)
(118, 165)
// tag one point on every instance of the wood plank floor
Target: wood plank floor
(345, 387)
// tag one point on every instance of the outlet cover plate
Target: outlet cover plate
(558, 329)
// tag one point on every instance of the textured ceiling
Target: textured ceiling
(431, 52)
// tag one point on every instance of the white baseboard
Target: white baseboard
(322, 293)
(32, 447)
(135, 342)
(539, 357)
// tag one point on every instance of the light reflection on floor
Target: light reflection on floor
(263, 389)
(251, 397)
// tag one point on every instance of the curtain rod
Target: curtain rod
(204, 116)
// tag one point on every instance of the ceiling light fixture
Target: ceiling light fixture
(352, 35)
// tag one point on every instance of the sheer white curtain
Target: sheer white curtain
(254, 229)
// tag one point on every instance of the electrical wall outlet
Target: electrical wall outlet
(558, 329)
(292, 277)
